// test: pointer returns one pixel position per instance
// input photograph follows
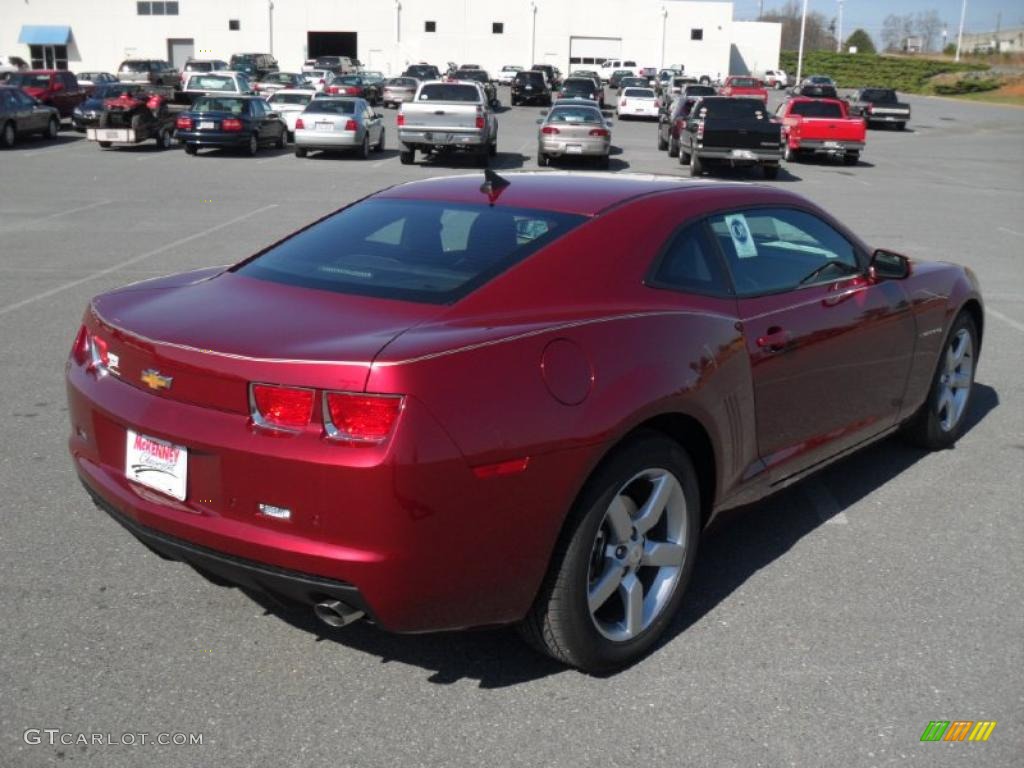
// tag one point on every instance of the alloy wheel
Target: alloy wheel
(955, 380)
(638, 554)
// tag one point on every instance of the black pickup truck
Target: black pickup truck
(735, 131)
(879, 106)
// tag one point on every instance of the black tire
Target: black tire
(770, 171)
(105, 144)
(684, 156)
(253, 146)
(543, 160)
(363, 153)
(483, 157)
(851, 158)
(52, 128)
(191, 149)
(407, 156)
(165, 139)
(662, 144)
(8, 135)
(282, 141)
(136, 123)
(604, 162)
(515, 102)
(901, 126)
(301, 151)
(492, 148)
(673, 148)
(790, 154)
(696, 165)
(559, 623)
(925, 428)
(380, 144)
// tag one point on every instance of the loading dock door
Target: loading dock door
(332, 44)
(180, 50)
(589, 52)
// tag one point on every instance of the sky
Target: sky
(868, 14)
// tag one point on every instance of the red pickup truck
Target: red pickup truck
(55, 88)
(821, 127)
(744, 86)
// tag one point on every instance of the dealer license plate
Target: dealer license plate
(574, 149)
(115, 135)
(207, 125)
(743, 154)
(157, 464)
(324, 126)
(832, 145)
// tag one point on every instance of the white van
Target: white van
(609, 66)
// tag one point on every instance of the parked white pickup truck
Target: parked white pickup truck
(448, 116)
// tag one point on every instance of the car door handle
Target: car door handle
(775, 340)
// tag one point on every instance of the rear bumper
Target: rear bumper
(822, 146)
(328, 139)
(876, 118)
(214, 138)
(440, 138)
(575, 148)
(531, 96)
(760, 155)
(276, 583)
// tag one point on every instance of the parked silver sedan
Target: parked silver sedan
(333, 124)
(574, 130)
(398, 90)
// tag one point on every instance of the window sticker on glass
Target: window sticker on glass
(742, 240)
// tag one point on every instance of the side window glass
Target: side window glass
(690, 264)
(780, 249)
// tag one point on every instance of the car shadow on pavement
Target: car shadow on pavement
(501, 161)
(318, 154)
(26, 143)
(745, 174)
(735, 548)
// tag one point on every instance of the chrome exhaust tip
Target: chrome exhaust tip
(335, 613)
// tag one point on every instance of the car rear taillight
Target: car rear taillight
(183, 123)
(400, 119)
(231, 124)
(299, 125)
(80, 349)
(479, 121)
(549, 129)
(700, 130)
(351, 125)
(598, 131)
(276, 407)
(360, 418)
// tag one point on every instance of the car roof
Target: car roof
(288, 91)
(582, 193)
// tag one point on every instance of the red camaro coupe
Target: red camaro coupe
(454, 404)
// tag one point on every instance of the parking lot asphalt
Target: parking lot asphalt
(824, 627)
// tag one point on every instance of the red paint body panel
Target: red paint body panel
(555, 361)
(731, 88)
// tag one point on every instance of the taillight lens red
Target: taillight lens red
(299, 125)
(231, 124)
(360, 418)
(183, 123)
(281, 407)
(351, 125)
(479, 121)
(549, 129)
(598, 132)
(400, 119)
(80, 349)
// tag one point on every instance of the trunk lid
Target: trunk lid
(214, 335)
(832, 128)
(440, 116)
(736, 133)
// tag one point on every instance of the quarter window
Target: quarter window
(690, 264)
(778, 249)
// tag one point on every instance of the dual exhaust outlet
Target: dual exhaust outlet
(335, 613)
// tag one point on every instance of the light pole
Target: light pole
(270, 24)
(800, 52)
(664, 24)
(398, 21)
(533, 34)
(960, 34)
(839, 36)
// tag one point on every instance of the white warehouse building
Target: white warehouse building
(89, 35)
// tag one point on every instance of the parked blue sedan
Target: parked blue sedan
(239, 122)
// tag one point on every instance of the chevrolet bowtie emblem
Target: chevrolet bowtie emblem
(152, 379)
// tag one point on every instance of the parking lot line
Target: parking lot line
(69, 211)
(1008, 320)
(1011, 231)
(134, 260)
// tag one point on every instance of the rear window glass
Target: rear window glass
(412, 250)
(199, 66)
(700, 90)
(402, 82)
(879, 96)
(211, 83)
(207, 104)
(448, 92)
(639, 93)
(291, 98)
(135, 66)
(332, 107)
(575, 115)
(530, 77)
(731, 108)
(29, 81)
(745, 82)
(816, 109)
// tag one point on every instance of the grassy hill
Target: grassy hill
(910, 74)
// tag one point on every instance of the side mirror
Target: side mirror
(886, 265)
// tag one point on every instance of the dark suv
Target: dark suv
(531, 87)
(422, 72)
(255, 65)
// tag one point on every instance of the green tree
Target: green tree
(862, 40)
